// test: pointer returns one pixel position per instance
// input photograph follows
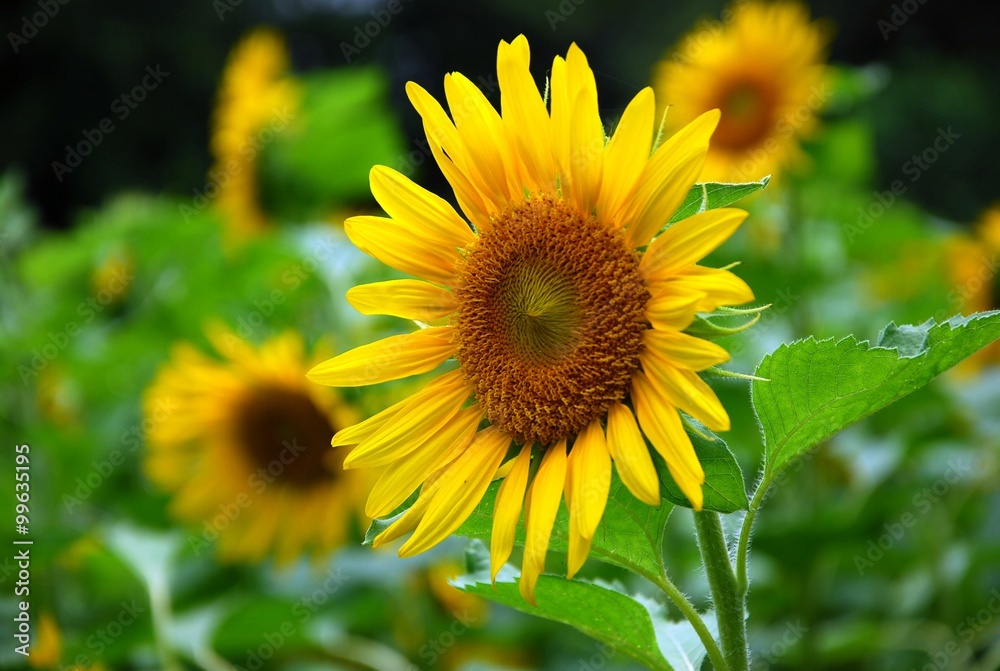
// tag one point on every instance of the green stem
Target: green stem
(688, 610)
(729, 604)
(743, 547)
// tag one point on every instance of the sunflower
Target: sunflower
(972, 270)
(256, 92)
(243, 445)
(563, 309)
(764, 69)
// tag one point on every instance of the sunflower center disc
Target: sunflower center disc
(550, 319)
(284, 433)
(747, 111)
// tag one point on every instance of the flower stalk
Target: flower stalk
(729, 602)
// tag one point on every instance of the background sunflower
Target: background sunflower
(877, 550)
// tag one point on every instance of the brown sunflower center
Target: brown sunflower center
(286, 435)
(747, 115)
(549, 320)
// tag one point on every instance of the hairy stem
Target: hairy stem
(688, 610)
(729, 603)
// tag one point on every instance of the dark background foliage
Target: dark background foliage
(64, 80)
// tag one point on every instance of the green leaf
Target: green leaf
(713, 195)
(603, 613)
(818, 388)
(630, 534)
(724, 489)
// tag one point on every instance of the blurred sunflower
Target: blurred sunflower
(565, 331)
(764, 70)
(244, 446)
(255, 92)
(972, 271)
(46, 651)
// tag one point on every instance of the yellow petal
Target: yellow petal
(717, 286)
(662, 426)
(664, 201)
(667, 178)
(670, 310)
(542, 506)
(628, 449)
(685, 390)
(589, 480)
(446, 146)
(391, 358)
(682, 350)
(689, 241)
(353, 435)
(425, 413)
(468, 197)
(626, 156)
(507, 511)
(524, 114)
(425, 213)
(409, 520)
(405, 474)
(463, 485)
(408, 299)
(580, 151)
(484, 139)
(586, 159)
(399, 246)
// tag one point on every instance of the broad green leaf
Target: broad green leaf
(724, 489)
(713, 195)
(630, 534)
(818, 388)
(604, 614)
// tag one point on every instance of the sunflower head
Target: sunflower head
(562, 301)
(763, 68)
(971, 262)
(255, 91)
(243, 445)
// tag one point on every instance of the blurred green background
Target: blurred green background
(837, 583)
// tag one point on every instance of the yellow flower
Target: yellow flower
(764, 69)
(111, 280)
(243, 445)
(47, 649)
(255, 92)
(566, 315)
(972, 271)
